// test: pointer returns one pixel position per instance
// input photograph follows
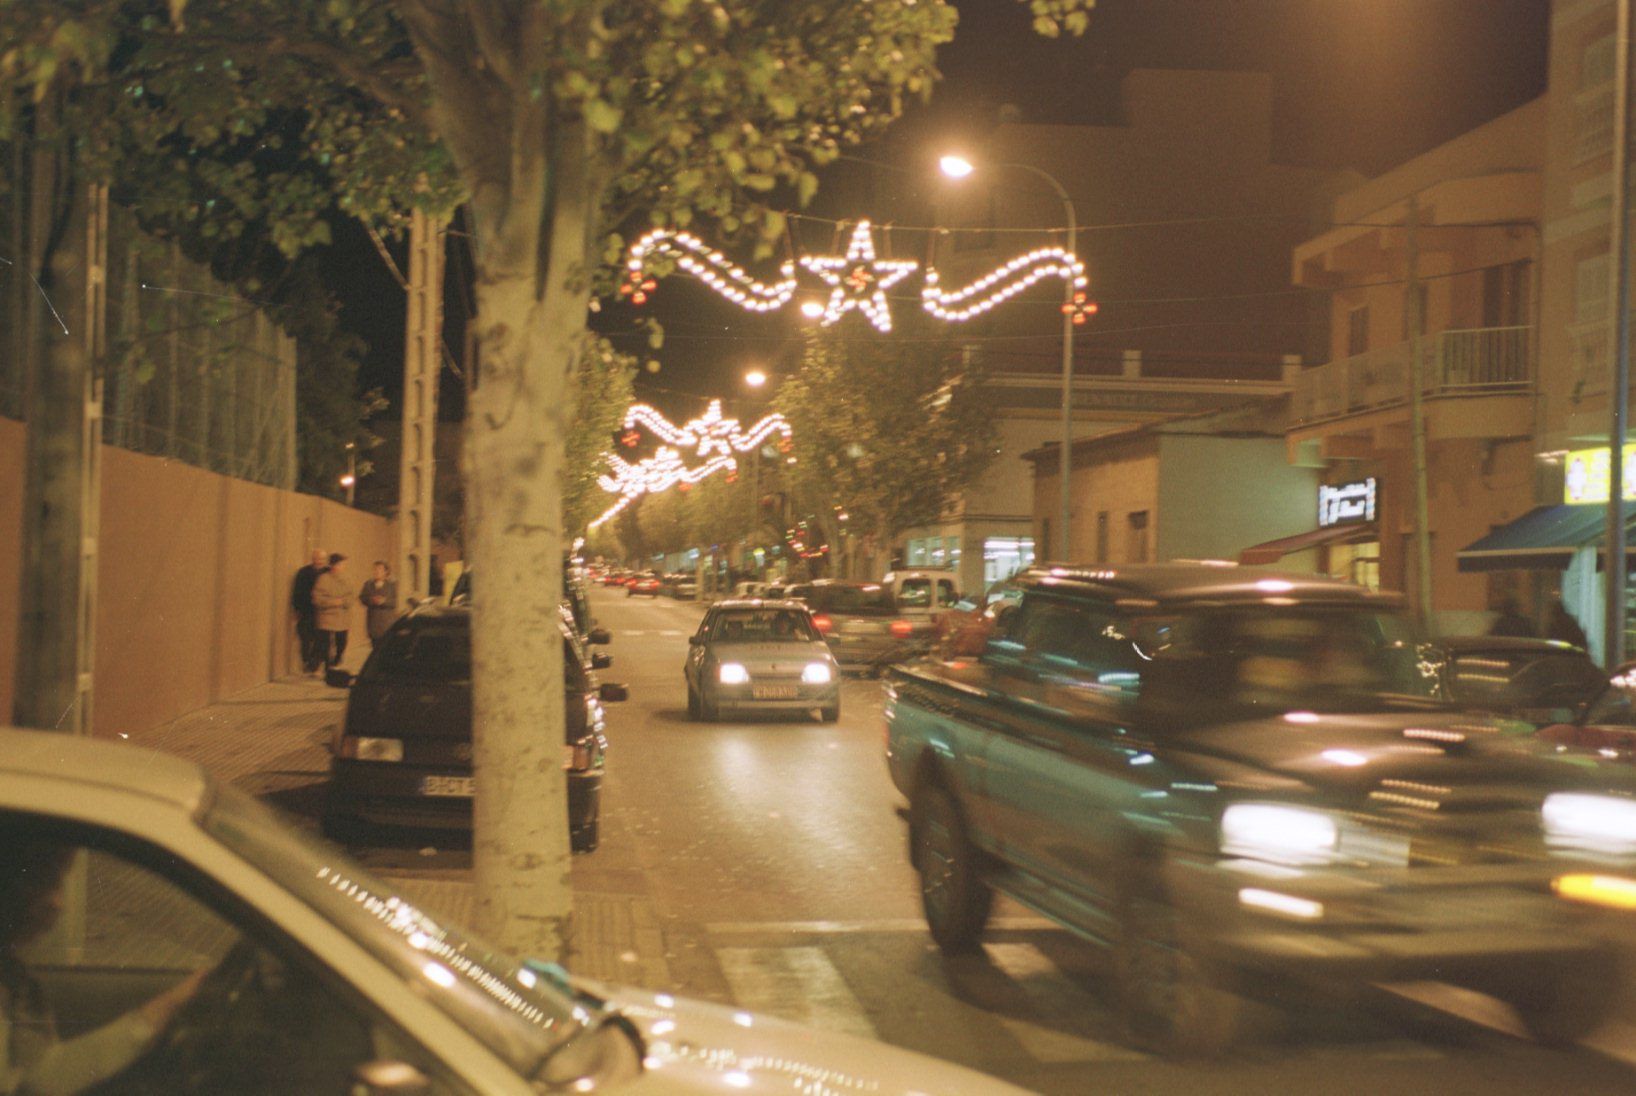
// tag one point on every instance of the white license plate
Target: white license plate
(448, 785)
(773, 692)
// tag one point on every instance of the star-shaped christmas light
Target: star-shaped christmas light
(859, 280)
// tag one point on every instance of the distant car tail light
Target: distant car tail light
(356, 748)
(823, 624)
(578, 757)
(902, 628)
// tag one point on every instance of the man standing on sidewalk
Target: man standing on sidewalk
(306, 621)
(380, 598)
(332, 601)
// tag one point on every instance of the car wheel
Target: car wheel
(709, 709)
(1560, 1010)
(1172, 1001)
(830, 714)
(954, 897)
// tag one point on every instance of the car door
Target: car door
(696, 647)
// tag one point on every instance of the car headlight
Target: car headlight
(372, 749)
(1271, 831)
(1593, 823)
(816, 673)
(732, 673)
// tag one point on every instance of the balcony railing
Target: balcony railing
(1474, 361)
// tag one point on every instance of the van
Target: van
(923, 594)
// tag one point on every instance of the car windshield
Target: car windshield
(870, 598)
(431, 650)
(1515, 679)
(762, 626)
(519, 1014)
(1301, 657)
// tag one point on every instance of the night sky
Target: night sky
(1364, 84)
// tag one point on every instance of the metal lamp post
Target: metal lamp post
(958, 167)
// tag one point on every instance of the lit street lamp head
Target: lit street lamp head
(755, 378)
(956, 167)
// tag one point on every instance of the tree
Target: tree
(889, 464)
(602, 392)
(561, 122)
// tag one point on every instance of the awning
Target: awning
(1545, 538)
(1274, 550)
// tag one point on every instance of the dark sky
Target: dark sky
(1357, 83)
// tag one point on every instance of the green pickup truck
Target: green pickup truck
(1243, 785)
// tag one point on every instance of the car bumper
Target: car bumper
(736, 698)
(388, 794)
(855, 651)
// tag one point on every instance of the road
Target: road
(775, 854)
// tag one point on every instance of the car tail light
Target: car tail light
(902, 628)
(823, 624)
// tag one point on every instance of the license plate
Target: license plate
(461, 786)
(773, 692)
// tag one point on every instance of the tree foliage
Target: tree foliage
(602, 392)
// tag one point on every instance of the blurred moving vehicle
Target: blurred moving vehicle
(646, 585)
(1240, 782)
(615, 578)
(403, 752)
(1607, 725)
(317, 978)
(965, 627)
(1535, 681)
(749, 589)
(757, 655)
(861, 622)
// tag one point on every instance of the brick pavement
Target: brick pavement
(273, 741)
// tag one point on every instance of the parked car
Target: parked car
(682, 586)
(749, 589)
(576, 600)
(775, 590)
(861, 622)
(1239, 781)
(1534, 681)
(646, 585)
(756, 655)
(615, 578)
(319, 978)
(403, 752)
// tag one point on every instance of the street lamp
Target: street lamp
(958, 167)
(755, 379)
(350, 480)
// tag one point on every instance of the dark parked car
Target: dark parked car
(1238, 781)
(403, 753)
(861, 622)
(756, 655)
(576, 602)
(1535, 681)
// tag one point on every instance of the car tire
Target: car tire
(709, 709)
(1563, 1008)
(1172, 1001)
(830, 714)
(953, 896)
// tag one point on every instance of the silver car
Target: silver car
(755, 655)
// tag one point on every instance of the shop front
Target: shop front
(1346, 538)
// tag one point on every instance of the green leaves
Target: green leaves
(602, 116)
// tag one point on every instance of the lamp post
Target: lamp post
(958, 167)
(755, 379)
(350, 480)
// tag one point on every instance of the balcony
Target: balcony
(1481, 361)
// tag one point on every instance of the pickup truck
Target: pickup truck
(1242, 784)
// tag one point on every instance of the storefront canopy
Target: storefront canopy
(1274, 550)
(1544, 538)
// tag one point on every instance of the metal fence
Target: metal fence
(1471, 360)
(194, 371)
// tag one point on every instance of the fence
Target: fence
(1473, 361)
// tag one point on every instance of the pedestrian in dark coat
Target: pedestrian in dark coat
(306, 616)
(332, 598)
(380, 600)
(1511, 622)
(1563, 626)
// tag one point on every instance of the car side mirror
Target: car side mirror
(387, 1078)
(601, 662)
(695, 641)
(599, 637)
(611, 692)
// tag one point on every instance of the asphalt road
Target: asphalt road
(775, 854)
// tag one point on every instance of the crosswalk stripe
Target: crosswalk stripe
(632, 632)
(672, 632)
(799, 984)
(1052, 995)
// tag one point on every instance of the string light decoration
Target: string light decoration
(859, 280)
(709, 266)
(1002, 284)
(712, 436)
(1079, 309)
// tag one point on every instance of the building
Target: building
(1439, 258)
(1185, 170)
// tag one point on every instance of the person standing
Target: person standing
(380, 599)
(1564, 627)
(306, 616)
(332, 601)
(1510, 621)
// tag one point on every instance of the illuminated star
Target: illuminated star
(859, 280)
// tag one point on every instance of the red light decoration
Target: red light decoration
(1079, 309)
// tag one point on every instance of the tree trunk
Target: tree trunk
(529, 332)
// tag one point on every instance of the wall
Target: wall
(1222, 495)
(193, 581)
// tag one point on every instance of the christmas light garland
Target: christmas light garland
(709, 266)
(1002, 284)
(859, 280)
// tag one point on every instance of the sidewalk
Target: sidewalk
(273, 741)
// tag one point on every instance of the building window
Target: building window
(1505, 295)
(1102, 536)
(1004, 557)
(917, 555)
(1357, 330)
(1137, 543)
(1591, 289)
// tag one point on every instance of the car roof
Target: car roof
(1463, 644)
(760, 603)
(1180, 584)
(102, 763)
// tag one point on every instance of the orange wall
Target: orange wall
(193, 582)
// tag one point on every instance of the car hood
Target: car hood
(694, 1047)
(1452, 758)
(795, 655)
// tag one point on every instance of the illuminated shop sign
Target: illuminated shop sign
(1585, 474)
(1345, 503)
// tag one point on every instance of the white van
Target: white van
(923, 593)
